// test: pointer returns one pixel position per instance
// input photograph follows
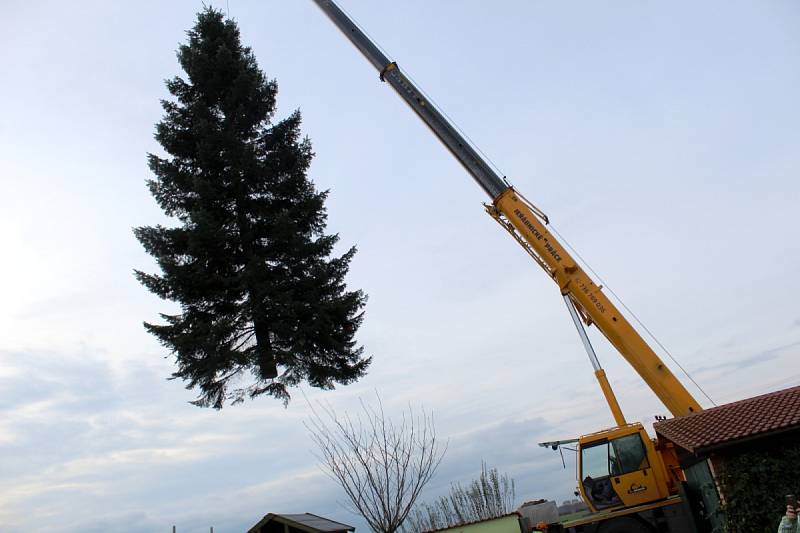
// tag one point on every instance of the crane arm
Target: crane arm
(475, 165)
(527, 225)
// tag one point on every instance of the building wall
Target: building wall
(274, 526)
(506, 524)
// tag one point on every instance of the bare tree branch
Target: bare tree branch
(490, 496)
(381, 466)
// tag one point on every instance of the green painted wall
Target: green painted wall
(506, 524)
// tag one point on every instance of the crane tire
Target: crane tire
(624, 525)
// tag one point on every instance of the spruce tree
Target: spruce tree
(263, 301)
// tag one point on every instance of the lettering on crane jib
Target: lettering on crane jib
(536, 233)
(590, 292)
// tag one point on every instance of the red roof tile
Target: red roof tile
(723, 424)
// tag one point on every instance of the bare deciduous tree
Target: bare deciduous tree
(490, 496)
(381, 465)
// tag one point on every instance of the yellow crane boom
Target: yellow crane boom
(627, 479)
(528, 225)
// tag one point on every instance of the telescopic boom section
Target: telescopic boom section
(487, 178)
(527, 225)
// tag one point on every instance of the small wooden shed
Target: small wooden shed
(298, 523)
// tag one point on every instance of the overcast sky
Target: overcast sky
(661, 139)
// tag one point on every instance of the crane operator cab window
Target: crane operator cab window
(605, 465)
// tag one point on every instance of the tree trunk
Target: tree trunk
(267, 368)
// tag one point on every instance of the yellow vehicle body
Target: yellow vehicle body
(605, 516)
(620, 467)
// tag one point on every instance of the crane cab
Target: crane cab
(620, 467)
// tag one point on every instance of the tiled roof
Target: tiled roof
(724, 424)
(316, 522)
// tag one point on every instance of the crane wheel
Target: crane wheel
(624, 525)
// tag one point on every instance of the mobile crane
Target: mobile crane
(630, 482)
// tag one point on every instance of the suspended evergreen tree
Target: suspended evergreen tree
(264, 305)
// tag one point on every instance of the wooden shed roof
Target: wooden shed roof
(308, 522)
